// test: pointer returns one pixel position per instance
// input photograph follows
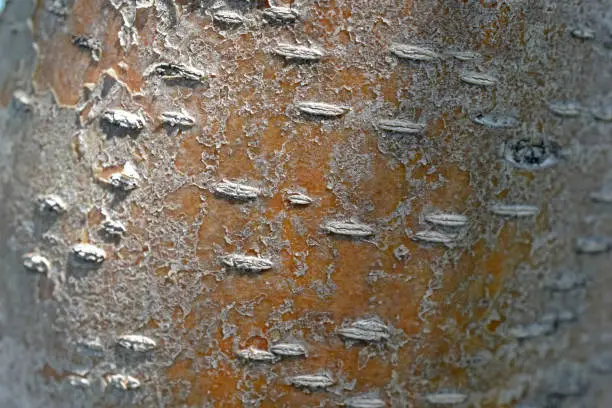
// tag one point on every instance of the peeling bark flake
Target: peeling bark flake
(51, 204)
(564, 281)
(122, 382)
(496, 121)
(565, 109)
(464, 55)
(531, 154)
(93, 46)
(435, 237)
(364, 401)
(348, 228)
(327, 110)
(288, 349)
(175, 71)
(366, 330)
(299, 199)
(88, 254)
(593, 245)
(113, 228)
(312, 381)
(583, 33)
(246, 263)
(124, 119)
(478, 78)
(228, 17)
(78, 381)
(298, 52)
(413, 52)
(256, 355)
(236, 191)
(136, 342)
(280, 14)
(36, 263)
(446, 398)
(447, 220)
(401, 126)
(126, 180)
(177, 119)
(514, 210)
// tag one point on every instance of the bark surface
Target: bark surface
(233, 204)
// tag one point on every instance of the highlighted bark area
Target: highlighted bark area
(442, 303)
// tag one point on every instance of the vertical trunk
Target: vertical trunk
(414, 195)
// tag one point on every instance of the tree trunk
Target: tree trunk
(239, 203)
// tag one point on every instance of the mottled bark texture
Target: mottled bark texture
(245, 204)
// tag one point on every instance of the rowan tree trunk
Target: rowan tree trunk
(392, 203)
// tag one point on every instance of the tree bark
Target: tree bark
(416, 195)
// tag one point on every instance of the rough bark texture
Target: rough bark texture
(129, 113)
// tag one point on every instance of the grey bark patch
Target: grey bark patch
(601, 363)
(567, 378)
(532, 330)
(531, 154)
(566, 109)
(603, 112)
(593, 244)
(602, 196)
(564, 280)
